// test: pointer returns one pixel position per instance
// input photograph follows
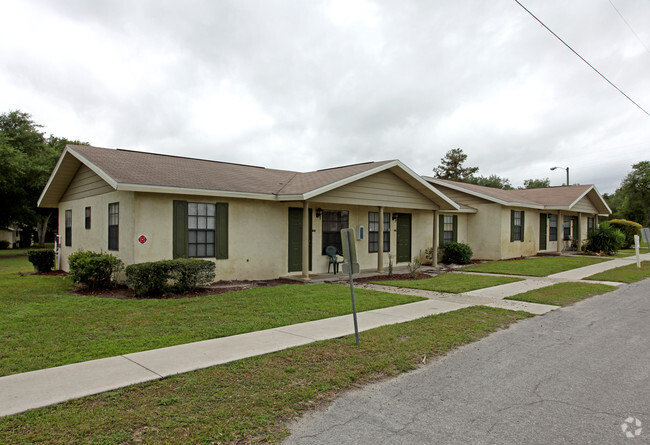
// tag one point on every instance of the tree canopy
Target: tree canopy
(451, 166)
(537, 183)
(631, 200)
(28, 158)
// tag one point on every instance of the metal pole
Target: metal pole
(567, 176)
(354, 305)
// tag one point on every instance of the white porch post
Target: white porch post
(380, 248)
(305, 240)
(435, 239)
(560, 232)
(578, 233)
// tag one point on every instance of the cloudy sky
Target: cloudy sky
(309, 84)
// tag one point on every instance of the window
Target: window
(373, 231)
(87, 217)
(68, 228)
(448, 229)
(114, 226)
(552, 228)
(516, 225)
(201, 224)
(200, 230)
(333, 222)
(591, 222)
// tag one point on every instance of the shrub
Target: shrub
(414, 266)
(629, 229)
(4, 244)
(457, 253)
(605, 239)
(94, 270)
(158, 277)
(43, 260)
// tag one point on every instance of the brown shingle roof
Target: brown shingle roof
(561, 196)
(139, 168)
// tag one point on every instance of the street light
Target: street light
(567, 172)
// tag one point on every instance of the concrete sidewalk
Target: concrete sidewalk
(36, 389)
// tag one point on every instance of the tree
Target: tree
(28, 158)
(635, 194)
(537, 183)
(490, 181)
(451, 166)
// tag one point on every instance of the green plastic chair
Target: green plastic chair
(332, 253)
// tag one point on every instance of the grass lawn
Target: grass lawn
(563, 294)
(42, 325)
(535, 267)
(451, 282)
(630, 252)
(625, 274)
(251, 400)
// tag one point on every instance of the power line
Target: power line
(629, 26)
(583, 59)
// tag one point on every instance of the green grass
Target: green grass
(630, 252)
(625, 274)
(451, 282)
(535, 267)
(43, 325)
(251, 400)
(563, 294)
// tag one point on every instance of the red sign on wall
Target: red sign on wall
(142, 239)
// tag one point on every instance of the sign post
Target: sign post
(645, 234)
(352, 266)
(636, 249)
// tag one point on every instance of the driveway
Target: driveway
(571, 376)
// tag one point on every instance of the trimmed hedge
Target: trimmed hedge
(94, 270)
(43, 260)
(456, 253)
(4, 244)
(629, 229)
(177, 276)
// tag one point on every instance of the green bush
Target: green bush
(159, 277)
(94, 270)
(4, 244)
(457, 253)
(43, 260)
(629, 229)
(605, 239)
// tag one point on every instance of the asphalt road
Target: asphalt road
(571, 376)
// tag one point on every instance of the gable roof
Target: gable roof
(150, 172)
(548, 198)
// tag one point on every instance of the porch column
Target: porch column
(434, 262)
(578, 233)
(560, 232)
(595, 221)
(380, 248)
(305, 240)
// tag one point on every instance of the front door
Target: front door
(295, 239)
(403, 237)
(542, 231)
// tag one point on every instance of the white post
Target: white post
(636, 248)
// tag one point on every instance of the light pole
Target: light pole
(567, 172)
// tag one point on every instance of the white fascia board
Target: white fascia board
(189, 191)
(52, 175)
(101, 173)
(593, 187)
(326, 188)
(484, 196)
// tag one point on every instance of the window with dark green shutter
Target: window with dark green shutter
(552, 227)
(114, 226)
(448, 229)
(200, 230)
(373, 231)
(68, 228)
(516, 225)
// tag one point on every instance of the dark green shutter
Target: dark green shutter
(542, 230)
(179, 243)
(221, 238)
(512, 225)
(523, 224)
(455, 236)
(441, 230)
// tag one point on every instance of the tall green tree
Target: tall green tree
(632, 199)
(537, 183)
(451, 166)
(28, 158)
(490, 181)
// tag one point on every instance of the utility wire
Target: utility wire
(582, 58)
(629, 26)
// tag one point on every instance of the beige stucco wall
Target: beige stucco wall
(96, 238)
(527, 247)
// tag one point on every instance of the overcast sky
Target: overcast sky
(305, 84)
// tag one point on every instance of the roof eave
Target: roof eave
(484, 196)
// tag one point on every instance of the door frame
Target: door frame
(298, 211)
